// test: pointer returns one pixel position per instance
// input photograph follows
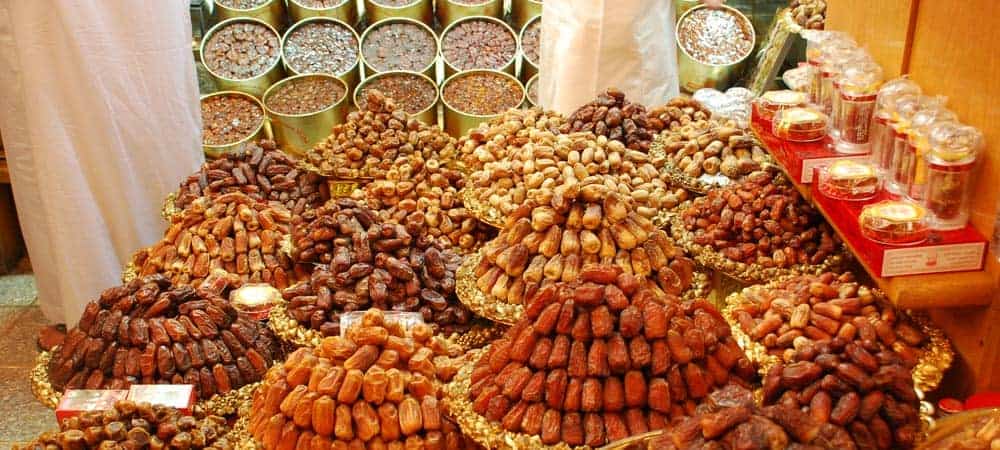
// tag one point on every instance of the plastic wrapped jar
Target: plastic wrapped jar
(895, 222)
(255, 300)
(834, 60)
(800, 124)
(773, 101)
(950, 165)
(913, 169)
(906, 107)
(849, 180)
(816, 43)
(885, 108)
(857, 90)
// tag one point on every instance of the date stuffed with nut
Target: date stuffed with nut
(705, 147)
(363, 263)
(492, 141)
(377, 387)
(603, 358)
(149, 332)
(549, 242)
(815, 308)
(260, 171)
(373, 140)
(230, 232)
(758, 221)
(131, 425)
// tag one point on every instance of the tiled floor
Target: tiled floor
(21, 416)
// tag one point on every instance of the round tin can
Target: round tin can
(449, 11)
(450, 70)
(529, 68)
(430, 70)
(427, 115)
(350, 76)
(216, 151)
(531, 103)
(694, 74)
(422, 10)
(255, 86)
(271, 12)
(297, 133)
(456, 122)
(521, 11)
(346, 11)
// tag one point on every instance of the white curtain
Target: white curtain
(591, 45)
(100, 118)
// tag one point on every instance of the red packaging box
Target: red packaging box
(180, 396)
(77, 401)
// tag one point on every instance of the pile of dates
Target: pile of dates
(492, 141)
(376, 388)
(364, 263)
(815, 308)
(230, 232)
(427, 199)
(601, 359)
(376, 139)
(150, 332)
(260, 171)
(758, 221)
(611, 116)
(706, 148)
(676, 113)
(730, 420)
(547, 243)
(132, 425)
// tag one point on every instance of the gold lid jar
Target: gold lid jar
(895, 222)
(773, 101)
(800, 124)
(255, 300)
(849, 180)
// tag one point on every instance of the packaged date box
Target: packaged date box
(179, 396)
(77, 401)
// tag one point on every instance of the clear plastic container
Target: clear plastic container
(800, 124)
(912, 174)
(834, 56)
(255, 300)
(857, 90)
(906, 107)
(816, 43)
(849, 180)
(895, 222)
(885, 109)
(951, 164)
(771, 102)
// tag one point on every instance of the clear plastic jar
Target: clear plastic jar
(951, 163)
(895, 222)
(856, 93)
(914, 167)
(849, 180)
(834, 57)
(881, 127)
(773, 101)
(816, 42)
(906, 107)
(800, 124)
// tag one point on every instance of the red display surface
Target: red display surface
(800, 158)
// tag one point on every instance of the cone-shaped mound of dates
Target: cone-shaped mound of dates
(260, 171)
(612, 116)
(550, 243)
(427, 200)
(760, 222)
(150, 332)
(378, 138)
(492, 141)
(132, 425)
(231, 232)
(786, 315)
(841, 382)
(728, 419)
(601, 359)
(545, 162)
(705, 147)
(377, 388)
(363, 263)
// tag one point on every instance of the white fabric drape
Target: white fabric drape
(100, 118)
(591, 45)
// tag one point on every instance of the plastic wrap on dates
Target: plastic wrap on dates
(729, 420)
(601, 359)
(786, 315)
(262, 172)
(759, 221)
(426, 197)
(230, 232)
(150, 332)
(549, 242)
(376, 388)
(131, 425)
(363, 263)
(378, 138)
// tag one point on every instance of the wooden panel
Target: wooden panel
(11, 244)
(882, 27)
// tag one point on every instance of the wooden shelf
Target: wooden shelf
(941, 290)
(4, 173)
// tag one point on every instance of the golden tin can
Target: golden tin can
(297, 133)
(255, 86)
(532, 83)
(422, 10)
(346, 11)
(449, 11)
(694, 74)
(427, 115)
(457, 123)
(521, 11)
(216, 151)
(450, 70)
(350, 76)
(430, 70)
(529, 68)
(271, 12)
